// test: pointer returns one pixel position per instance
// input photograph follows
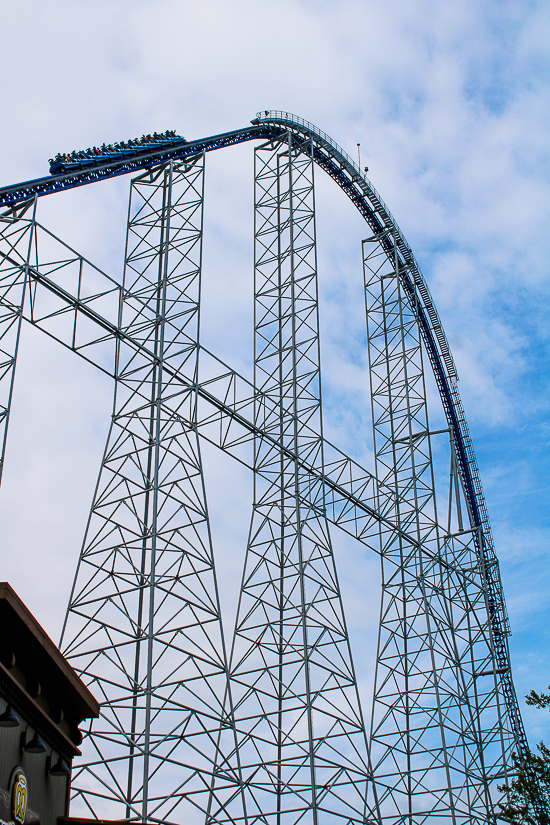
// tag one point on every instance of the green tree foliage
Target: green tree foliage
(528, 795)
(540, 700)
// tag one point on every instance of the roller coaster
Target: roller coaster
(88, 158)
(271, 728)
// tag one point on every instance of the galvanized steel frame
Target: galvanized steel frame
(301, 736)
(438, 731)
(394, 514)
(143, 626)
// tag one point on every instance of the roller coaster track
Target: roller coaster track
(270, 126)
(352, 181)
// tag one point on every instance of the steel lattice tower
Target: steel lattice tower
(269, 728)
(302, 741)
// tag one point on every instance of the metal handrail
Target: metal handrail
(275, 115)
(288, 119)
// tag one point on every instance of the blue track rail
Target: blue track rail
(345, 172)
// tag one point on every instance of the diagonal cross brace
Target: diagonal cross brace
(356, 474)
(345, 482)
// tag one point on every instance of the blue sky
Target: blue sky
(450, 104)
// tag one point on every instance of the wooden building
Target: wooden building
(42, 703)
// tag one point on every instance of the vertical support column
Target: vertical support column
(143, 626)
(16, 241)
(301, 735)
(435, 733)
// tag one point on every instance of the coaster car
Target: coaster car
(88, 158)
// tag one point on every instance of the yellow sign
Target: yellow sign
(19, 798)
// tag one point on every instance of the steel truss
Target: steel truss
(15, 255)
(143, 625)
(301, 736)
(438, 733)
(274, 733)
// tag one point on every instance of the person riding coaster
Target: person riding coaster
(107, 150)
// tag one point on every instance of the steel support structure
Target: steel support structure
(16, 248)
(439, 727)
(274, 732)
(301, 737)
(143, 626)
